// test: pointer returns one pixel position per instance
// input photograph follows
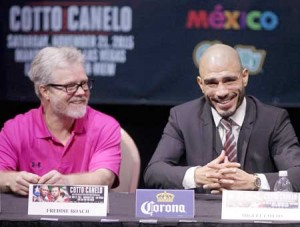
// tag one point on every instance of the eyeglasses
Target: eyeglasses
(72, 88)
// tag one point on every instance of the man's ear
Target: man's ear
(245, 76)
(44, 92)
(200, 83)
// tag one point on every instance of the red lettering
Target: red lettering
(196, 19)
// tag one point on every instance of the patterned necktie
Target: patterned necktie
(230, 144)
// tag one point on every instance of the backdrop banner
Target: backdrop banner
(146, 51)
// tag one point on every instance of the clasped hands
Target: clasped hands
(19, 181)
(221, 174)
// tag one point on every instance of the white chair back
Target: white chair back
(130, 165)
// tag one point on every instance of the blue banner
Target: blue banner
(146, 52)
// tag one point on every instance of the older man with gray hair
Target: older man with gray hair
(64, 141)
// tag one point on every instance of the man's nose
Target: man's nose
(222, 90)
(80, 91)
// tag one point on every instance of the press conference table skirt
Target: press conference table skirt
(122, 213)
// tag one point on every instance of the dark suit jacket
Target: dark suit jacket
(267, 143)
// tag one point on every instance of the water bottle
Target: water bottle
(283, 184)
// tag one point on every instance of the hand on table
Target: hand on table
(209, 175)
(19, 182)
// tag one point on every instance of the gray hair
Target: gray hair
(50, 58)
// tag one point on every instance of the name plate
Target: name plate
(67, 200)
(165, 203)
(260, 205)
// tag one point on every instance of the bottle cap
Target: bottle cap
(283, 173)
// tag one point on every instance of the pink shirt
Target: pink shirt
(27, 145)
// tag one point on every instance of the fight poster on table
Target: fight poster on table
(260, 205)
(75, 200)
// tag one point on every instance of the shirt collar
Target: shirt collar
(237, 117)
(43, 131)
(79, 125)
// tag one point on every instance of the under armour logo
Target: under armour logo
(36, 164)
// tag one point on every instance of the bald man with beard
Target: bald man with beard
(190, 154)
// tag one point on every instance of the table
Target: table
(122, 213)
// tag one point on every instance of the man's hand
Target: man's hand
(97, 177)
(209, 175)
(232, 178)
(236, 180)
(18, 182)
(53, 177)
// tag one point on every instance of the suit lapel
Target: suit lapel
(219, 145)
(246, 130)
(211, 139)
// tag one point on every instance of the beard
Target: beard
(226, 114)
(68, 109)
(230, 112)
(76, 113)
